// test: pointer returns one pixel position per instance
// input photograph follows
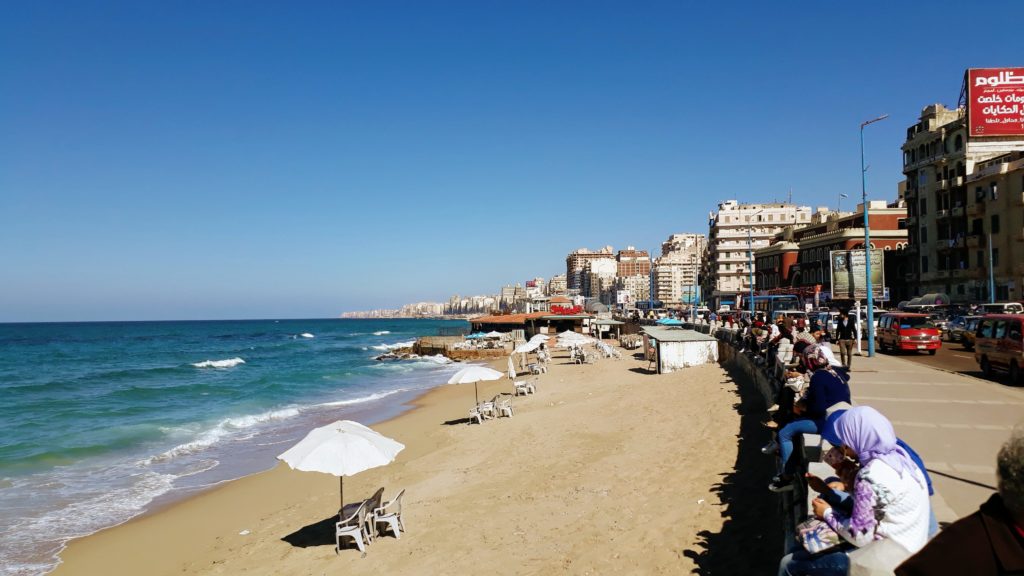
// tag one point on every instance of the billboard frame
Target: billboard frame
(1002, 113)
(855, 291)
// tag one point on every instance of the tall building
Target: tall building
(557, 285)
(633, 262)
(676, 272)
(576, 261)
(638, 287)
(599, 278)
(733, 232)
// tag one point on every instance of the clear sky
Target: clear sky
(272, 159)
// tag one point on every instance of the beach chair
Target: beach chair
(505, 407)
(390, 515)
(372, 504)
(521, 388)
(476, 414)
(352, 527)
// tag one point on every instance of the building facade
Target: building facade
(577, 260)
(733, 232)
(633, 262)
(959, 189)
(557, 286)
(798, 260)
(638, 287)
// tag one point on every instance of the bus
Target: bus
(770, 306)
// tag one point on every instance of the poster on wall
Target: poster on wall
(849, 274)
(995, 101)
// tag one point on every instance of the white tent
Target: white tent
(494, 334)
(528, 347)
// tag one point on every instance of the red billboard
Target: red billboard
(995, 97)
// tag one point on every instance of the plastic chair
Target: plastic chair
(505, 407)
(372, 504)
(392, 519)
(352, 527)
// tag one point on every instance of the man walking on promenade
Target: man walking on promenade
(846, 331)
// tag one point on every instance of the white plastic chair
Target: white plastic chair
(505, 407)
(392, 519)
(353, 527)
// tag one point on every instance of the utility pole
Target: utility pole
(867, 238)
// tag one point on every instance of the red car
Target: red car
(911, 332)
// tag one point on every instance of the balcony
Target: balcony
(975, 241)
(950, 243)
(910, 276)
(958, 273)
(975, 273)
(957, 212)
(976, 209)
(1020, 199)
(942, 274)
(941, 214)
(941, 184)
(958, 181)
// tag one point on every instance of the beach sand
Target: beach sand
(606, 470)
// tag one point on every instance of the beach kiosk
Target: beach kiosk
(672, 349)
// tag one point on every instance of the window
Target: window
(995, 224)
(924, 264)
(985, 330)
(1014, 330)
(924, 207)
(924, 234)
(995, 191)
(958, 143)
(1000, 330)
(995, 257)
(976, 227)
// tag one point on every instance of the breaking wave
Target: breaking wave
(229, 363)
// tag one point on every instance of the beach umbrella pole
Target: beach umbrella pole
(341, 486)
(477, 390)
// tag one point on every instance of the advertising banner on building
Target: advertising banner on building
(691, 294)
(995, 101)
(849, 278)
(624, 297)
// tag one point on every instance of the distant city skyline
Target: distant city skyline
(182, 161)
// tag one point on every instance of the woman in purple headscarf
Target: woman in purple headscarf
(890, 496)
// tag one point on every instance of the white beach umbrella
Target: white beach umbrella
(542, 338)
(342, 448)
(474, 374)
(527, 347)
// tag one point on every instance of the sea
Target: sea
(101, 422)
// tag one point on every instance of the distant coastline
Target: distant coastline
(398, 315)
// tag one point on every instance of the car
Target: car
(970, 328)
(957, 328)
(907, 332)
(999, 345)
(1001, 308)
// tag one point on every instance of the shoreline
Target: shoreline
(589, 449)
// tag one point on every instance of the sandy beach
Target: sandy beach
(606, 470)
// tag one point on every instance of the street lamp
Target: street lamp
(750, 254)
(867, 238)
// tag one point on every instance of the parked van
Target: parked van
(1001, 308)
(999, 345)
(911, 332)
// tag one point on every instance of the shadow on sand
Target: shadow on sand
(750, 541)
(317, 534)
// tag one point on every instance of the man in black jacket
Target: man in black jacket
(846, 331)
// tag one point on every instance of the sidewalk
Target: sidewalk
(956, 423)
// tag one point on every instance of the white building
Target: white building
(557, 286)
(733, 232)
(676, 272)
(598, 277)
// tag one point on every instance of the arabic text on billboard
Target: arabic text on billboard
(996, 100)
(849, 281)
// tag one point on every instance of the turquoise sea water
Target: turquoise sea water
(99, 421)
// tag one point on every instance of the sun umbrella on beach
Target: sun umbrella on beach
(342, 448)
(474, 374)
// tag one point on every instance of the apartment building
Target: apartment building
(677, 270)
(577, 260)
(557, 286)
(959, 189)
(638, 287)
(633, 262)
(734, 230)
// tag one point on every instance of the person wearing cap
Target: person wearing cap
(826, 388)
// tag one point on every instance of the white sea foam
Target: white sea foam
(307, 335)
(395, 346)
(362, 399)
(382, 332)
(229, 363)
(437, 359)
(223, 428)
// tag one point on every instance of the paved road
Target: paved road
(956, 423)
(952, 356)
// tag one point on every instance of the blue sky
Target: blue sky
(255, 159)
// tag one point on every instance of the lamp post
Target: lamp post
(750, 254)
(867, 238)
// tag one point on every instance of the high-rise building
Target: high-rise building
(577, 259)
(676, 272)
(557, 285)
(598, 278)
(638, 287)
(734, 231)
(633, 262)
(959, 189)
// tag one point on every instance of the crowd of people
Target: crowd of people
(874, 510)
